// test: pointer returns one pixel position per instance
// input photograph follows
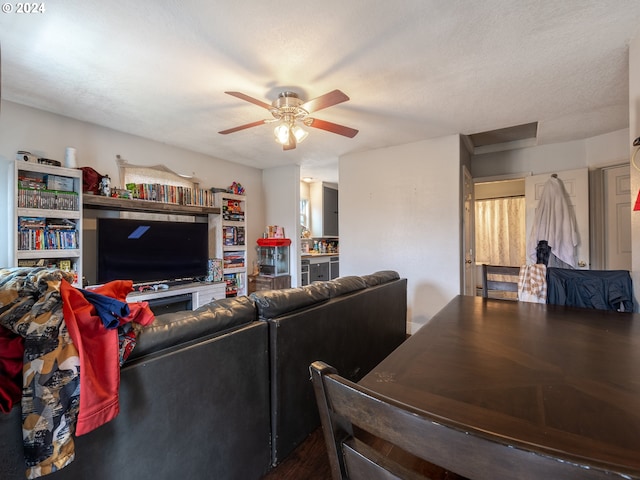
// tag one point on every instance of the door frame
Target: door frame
(597, 211)
(468, 234)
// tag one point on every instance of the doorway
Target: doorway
(603, 209)
(500, 237)
(500, 222)
(611, 217)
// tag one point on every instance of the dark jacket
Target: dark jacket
(598, 289)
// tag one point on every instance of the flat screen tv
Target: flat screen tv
(150, 251)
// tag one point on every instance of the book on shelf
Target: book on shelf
(234, 259)
(234, 283)
(174, 194)
(31, 222)
(47, 199)
(233, 235)
(40, 233)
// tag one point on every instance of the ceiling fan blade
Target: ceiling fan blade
(249, 99)
(324, 101)
(243, 127)
(331, 127)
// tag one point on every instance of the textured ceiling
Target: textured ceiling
(414, 69)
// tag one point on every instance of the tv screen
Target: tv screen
(150, 251)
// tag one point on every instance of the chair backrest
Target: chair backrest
(343, 407)
(348, 410)
(499, 281)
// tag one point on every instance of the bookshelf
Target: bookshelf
(47, 217)
(230, 228)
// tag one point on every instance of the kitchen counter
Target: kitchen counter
(319, 266)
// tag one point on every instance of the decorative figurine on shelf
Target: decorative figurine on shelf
(236, 188)
(105, 186)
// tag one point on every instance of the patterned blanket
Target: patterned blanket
(31, 306)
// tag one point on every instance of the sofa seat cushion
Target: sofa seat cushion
(378, 278)
(172, 329)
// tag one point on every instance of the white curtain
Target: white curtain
(500, 231)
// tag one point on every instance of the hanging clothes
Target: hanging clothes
(99, 347)
(532, 283)
(598, 289)
(554, 222)
(66, 349)
(543, 252)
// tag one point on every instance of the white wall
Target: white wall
(607, 149)
(282, 208)
(47, 135)
(400, 210)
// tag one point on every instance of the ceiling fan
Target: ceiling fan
(290, 111)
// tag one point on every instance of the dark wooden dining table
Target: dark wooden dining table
(553, 381)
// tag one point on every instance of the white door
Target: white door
(469, 234)
(576, 183)
(617, 222)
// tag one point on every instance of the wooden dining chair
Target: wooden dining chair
(345, 407)
(499, 281)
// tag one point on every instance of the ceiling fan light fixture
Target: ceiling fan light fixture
(283, 130)
(300, 133)
(282, 133)
(290, 112)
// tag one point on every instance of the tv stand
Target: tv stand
(201, 293)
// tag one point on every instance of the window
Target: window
(304, 212)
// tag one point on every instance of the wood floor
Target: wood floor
(310, 462)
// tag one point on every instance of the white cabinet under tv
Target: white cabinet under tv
(194, 295)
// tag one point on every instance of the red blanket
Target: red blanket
(98, 348)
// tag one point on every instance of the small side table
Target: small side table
(264, 282)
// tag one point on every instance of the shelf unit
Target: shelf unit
(106, 206)
(230, 228)
(47, 217)
(124, 204)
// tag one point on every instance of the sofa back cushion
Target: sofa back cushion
(172, 329)
(273, 303)
(378, 278)
(344, 285)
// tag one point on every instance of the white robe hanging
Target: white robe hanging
(554, 222)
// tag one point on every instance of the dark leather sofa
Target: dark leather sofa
(353, 321)
(223, 392)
